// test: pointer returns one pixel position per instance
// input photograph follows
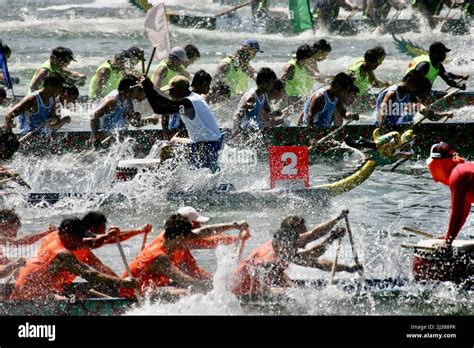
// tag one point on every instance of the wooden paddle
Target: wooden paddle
(430, 106)
(127, 268)
(413, 246)
(334, 265)
(351, 240)
(223, 13)
(143, 61)
(145, 236)
(242, 247)
(149, 63)
(330, 135)
(99, 294)
(420, 233)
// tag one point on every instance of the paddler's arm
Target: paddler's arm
(320, 230)
(348, 5)
(158, 76)
(222, 70)
(38, 81)
(6, 270)
(104, 74)
(269, 117)
(287, 73)
(105, 107)
(316, 105)
(164, 106)
(220, 228)
(212, 242)
(125, 235)
(26, 240)
(68, 262)
(162, 265)
(341, 113)
(24, 105)
(247, 105)
(74, 75)
(250, 71)
(460, 207)
(376, 82)
(450, 78)
(384, 108)
(96, 264)
(183, 72)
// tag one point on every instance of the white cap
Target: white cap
(192, 214)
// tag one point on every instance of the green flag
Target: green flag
(300, 15)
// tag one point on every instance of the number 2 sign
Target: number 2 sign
(288, 163)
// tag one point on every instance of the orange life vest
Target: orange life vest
(246, 280)
(36, 280)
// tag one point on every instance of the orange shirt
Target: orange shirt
(36, 280)
(247, 279)
(182, 259)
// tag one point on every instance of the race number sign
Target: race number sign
(288, 163)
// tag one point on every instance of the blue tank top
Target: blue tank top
(398, 113)
(324, 118)
(116, 119)
(252, 119)
(29, 121)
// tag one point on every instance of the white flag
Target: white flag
(156, 28)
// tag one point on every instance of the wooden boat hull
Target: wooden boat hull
(459, 134)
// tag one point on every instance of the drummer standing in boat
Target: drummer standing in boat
(205, 138)
(451, 170)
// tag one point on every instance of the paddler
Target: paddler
(235, 71)
(378, 10)
(9, 225)
(57, 64)
(205, 138)
(431, 66)
(363, 70)
(48, 271)
(431, 9)
(193, 54)
(168, 261)
(398, 104)
(254, 111)
(451, 170)
(35, 110)
(9, 144)
(170, 67)
(298, 81)
(96, 223)
(327, 105)
(116, 110)
(108, 75)
(321, 50)
(67, 99)
(265, 267)
(328, 10)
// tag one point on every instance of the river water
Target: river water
(380, 207)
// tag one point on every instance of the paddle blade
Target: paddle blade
(157, 31)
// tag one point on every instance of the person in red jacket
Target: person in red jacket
(450, 169)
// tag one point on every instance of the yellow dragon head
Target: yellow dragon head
(393, 145)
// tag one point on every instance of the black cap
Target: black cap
(134, 51)
(63, 53)
(439, 47)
